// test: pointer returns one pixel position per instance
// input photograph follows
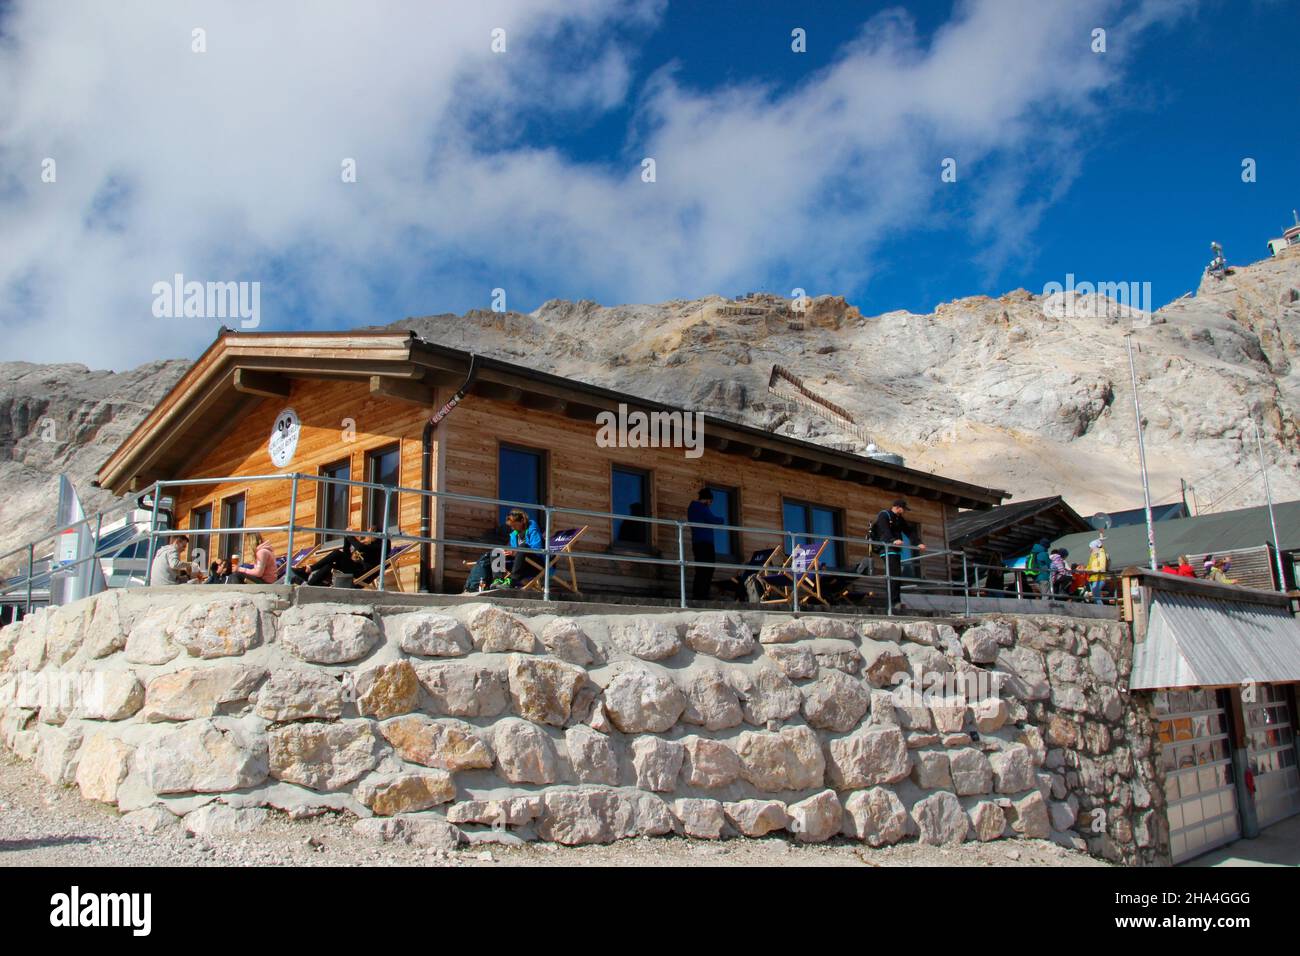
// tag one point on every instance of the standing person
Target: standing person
(263, 569)
(1060, 575)
(1219, 572)
(1098, 565)
(888, 532)
(169, 564)
(1038, 567)
(1184, 568)
(699, 513)
(524, 533)
(1207, 566)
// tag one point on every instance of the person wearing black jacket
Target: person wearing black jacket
(355, 557)
(888, 533)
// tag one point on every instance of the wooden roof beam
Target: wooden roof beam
(401, 390)
(263, 384)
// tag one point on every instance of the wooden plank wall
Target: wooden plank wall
(322, 407)
(578, 476)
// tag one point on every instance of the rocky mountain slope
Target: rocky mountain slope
(1017, 392)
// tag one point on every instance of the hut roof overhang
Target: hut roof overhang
(241, 368)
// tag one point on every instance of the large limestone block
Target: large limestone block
(150, 639)
(56, 759)
(543, 689)
(639, 700)
(388, 690)
(495, 631)
(591, 755)
(788, 760)
(1026, 673)
(795, 660)
(657, 762)
(765, 693)
(881, 661)
(710, 700)
(328, 633)
(971, 772)
(429, 635)
(103, 764)
(817, 818)
(870, 756)
(507, 811)
(525, 753)
(323, 756)
(565, 638)
(831, 629)
(1013, 769)
(646, 637)
(756, 818)
(197, 692)
(721, 635)
(835, 701)
(1030, 817)
(445, 744)
(876, 816)
(465, 688)
(204, 756)
(930, 770)
(217, 819)
(940, 819)
(981, 643)
(111, 695)
(709, 763)
(226, 627)
(299, 694)
(700, 817)
(406, 792)
(987, 821)
(575, 817)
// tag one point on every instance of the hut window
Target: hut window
(200, 520)
(521, 476)
(382, 469)
(232, 516)
(803, 522)
(725, 507)
(335, 500)
(630, 495)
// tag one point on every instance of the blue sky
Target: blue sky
(521, 169)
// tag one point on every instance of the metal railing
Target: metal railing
(795, 587)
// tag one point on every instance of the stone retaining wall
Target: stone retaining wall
(473, 722)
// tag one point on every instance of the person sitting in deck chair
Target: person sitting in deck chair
(357, 556)
(524, 533)
(263, 569)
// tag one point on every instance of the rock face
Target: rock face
(444, 723)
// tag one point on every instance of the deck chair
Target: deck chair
(801, 572)
(371, 578)
(757, 563)
(559, 548)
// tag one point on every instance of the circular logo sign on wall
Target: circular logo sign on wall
(284, 437)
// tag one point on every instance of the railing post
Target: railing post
(383, 544)
(889, 591)
(681, 562)
(546, 556)
(794, 584)
(293, 520)
(153, 542)
(94, 552)
(31, 569)
(965, 580)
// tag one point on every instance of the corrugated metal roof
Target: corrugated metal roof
(1204, 642)
(1230, 530)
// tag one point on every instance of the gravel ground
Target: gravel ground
(45, 825)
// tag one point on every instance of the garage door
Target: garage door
(1270, 745)
(1196, 756)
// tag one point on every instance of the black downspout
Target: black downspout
(426, 468)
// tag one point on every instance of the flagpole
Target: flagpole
(1142, 456)
(1268, 496)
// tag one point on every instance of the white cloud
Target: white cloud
(225, 164)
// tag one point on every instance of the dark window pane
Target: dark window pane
(232, 516)
(520, 480)
(201, 520)
(724, 506)
(337, 498)
(824, 525)
(630, 492)
(381, 468)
